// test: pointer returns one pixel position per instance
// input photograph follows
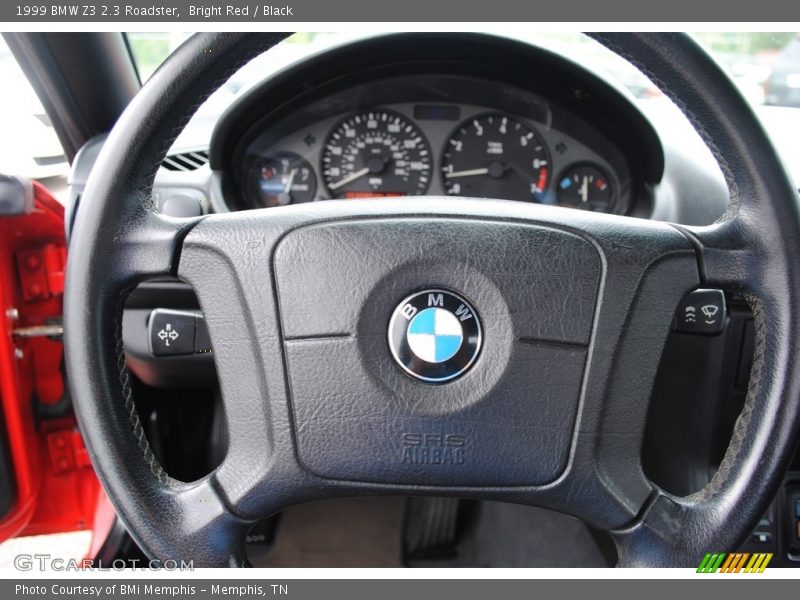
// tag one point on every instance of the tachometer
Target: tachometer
(496, 156)
(376, 153)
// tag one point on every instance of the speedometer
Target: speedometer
(496, 156)
(376, 153)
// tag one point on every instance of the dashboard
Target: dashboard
(460, 114)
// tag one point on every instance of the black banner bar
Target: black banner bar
(728, 587)
(455, 11)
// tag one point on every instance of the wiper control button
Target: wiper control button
(702, 311)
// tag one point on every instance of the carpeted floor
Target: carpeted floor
(367, 532)
(351, 532)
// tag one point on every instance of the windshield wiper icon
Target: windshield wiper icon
(710, 311)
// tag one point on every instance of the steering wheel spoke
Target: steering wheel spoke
(209, 530)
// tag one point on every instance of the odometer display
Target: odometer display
(496, 156)
(378, 153)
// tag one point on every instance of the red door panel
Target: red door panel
(53, 488)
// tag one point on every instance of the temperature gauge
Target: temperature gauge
(585, 186)
(285, 178)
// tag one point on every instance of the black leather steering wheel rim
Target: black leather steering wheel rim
(119, 240)
(763, 208)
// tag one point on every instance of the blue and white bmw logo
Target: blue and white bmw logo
(435, 335)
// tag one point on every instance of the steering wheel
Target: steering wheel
(574, 310)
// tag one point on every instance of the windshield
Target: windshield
(764, 65)
(35, 152)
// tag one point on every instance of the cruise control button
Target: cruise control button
(702, 311)
(171, 332)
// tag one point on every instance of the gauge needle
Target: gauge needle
(584, 189)
(467, 173)
(288, 187)
(348, 179)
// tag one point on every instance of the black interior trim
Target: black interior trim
(67, 69)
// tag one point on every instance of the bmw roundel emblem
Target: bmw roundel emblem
(435, 335)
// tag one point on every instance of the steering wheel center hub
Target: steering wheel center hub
(482, 345)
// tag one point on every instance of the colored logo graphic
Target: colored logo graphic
(736, 562)
(435, 335)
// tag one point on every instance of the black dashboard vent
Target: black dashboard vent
(185, 161)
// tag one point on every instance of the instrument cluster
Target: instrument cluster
(436, 149)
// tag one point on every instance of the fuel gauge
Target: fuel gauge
(585, 186)
(285, 178)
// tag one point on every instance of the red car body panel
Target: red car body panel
(56, 489)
